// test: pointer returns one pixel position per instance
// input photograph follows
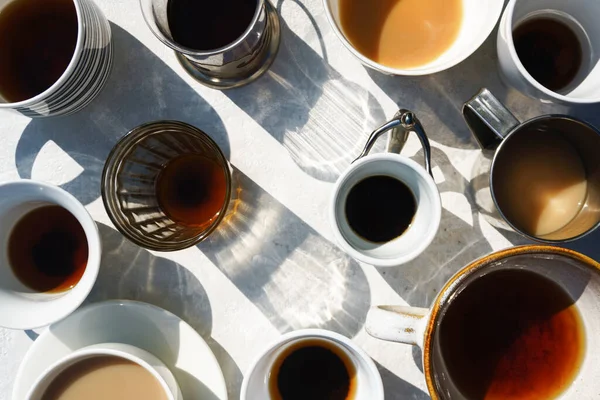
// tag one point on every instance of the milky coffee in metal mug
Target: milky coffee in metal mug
(545, 173)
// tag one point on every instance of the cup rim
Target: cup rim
(193, 52)
(98, 351)
(507, 27)
(467, 271)
(514, 131)
(314, 333)
(84, 286)
(67, 72)
(408, 72)
(113, 163)
(396, 261)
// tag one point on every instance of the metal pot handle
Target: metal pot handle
(401, 125)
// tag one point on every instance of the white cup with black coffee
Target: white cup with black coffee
(549, 49)
(312, 364)
(386, 209)
(50, 255)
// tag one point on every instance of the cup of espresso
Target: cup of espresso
(545, 175)
(412, 37)
(517, 324)
(222, 44)
(55, 55)
(107, 371)
(385, 209)
(50, 254)
(312, 364)
(549, 49)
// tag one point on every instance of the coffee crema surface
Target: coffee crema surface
(37, 43)
(48, 249)
(105, 377)
(512, 335)
(401, 34)
(313, 369)
(549, 50)
(191, 190)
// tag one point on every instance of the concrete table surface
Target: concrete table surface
(273, 267)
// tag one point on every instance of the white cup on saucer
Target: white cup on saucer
(368, 384)
(418, 179)
(20, 306)
(131, 353)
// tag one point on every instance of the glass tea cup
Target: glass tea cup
(166, 185)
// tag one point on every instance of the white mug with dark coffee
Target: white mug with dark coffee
(385, 209)
(518, 324)
(312, 364)
(50, 254)
(545, 175)
(549, 49)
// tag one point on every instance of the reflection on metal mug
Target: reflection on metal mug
(545, 174)
(235, 64)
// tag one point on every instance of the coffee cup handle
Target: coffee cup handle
(397, 324)
(488, 119)
(403, 123)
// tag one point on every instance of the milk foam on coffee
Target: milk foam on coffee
(105, 377)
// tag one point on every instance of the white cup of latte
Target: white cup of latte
(412, 37)
(107, 371)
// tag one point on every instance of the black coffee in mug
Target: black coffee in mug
(37, 43)
(380, 208)
(549, 50)
(48, 249)
(312, 369)
(209, 25)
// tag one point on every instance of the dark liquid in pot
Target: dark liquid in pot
(512, 335)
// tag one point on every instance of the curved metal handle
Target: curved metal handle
(404, 122)
(488, 119)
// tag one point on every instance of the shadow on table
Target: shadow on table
(321, 118)
(141, 88)
(132, 273)
(396, 388)
(293, 275)
(459, 241)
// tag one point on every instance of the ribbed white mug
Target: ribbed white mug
(86, 73)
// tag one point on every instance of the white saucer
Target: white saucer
(139, 324)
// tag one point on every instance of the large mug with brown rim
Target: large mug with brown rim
(517, 324)
(545, 173)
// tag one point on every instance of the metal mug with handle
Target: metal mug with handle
(418, 179)
(494, 127)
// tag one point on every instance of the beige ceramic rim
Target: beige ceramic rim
(513, 251)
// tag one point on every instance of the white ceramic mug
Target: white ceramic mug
(86, 73)
(576, 274)
(368, 380)
(419, 180)
(479, 19)
(20, 306)
(148, 361)
(579, 15)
